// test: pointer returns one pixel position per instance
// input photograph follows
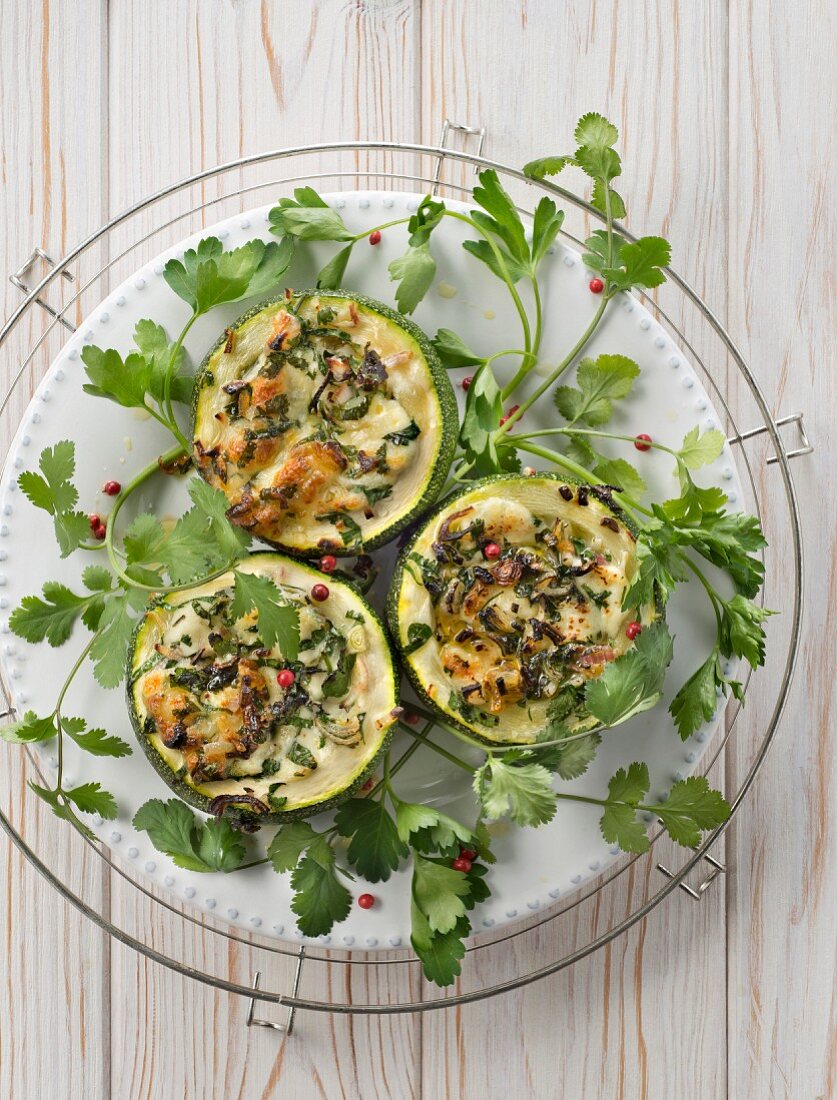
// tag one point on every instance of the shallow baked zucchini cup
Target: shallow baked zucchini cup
(327, 420)
(229, 723)
(507, 602)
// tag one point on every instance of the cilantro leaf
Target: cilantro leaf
(691, 808)
(503, 220)
(92, 798)
(29, 729)
(189, 842)
(517, 789)
(620, 472)
(568, 760)
(660, 568)
(94, 741)
(429, 830)
(618, 824)
(453, 351)
(375, 848)
(547, 166)
(124, 381)
(287, 846)
(143, 539)
(593, 131)
(483, 410)
(331, 276)
(414, 273)
(53, 617)
(71, 530)
(308, 217)
(507, 267)
(439, 952)
(229, 540)
(741, 631)
(54, 492)
(699, 450)
(633, 682)
(152, 341)
(109, 651)
(219, 846)
(438, 892)
(320, 900)
(545, 228)
(600, 382)
(278, 620)
(641, 264)
(207, 276)
(697, 700)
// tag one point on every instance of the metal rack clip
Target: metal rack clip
(288, 1026)
(447, 126)
(17, 280)
(805, 448)
(716, 869)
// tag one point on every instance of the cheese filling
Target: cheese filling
(317, 419)
(510, 607)
(210, 698)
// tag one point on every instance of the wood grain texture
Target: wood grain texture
(54, 997)
(102, 104)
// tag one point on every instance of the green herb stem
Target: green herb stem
(167, 381)
(501, 264)
(124, 493)
(438, 749)
(570, 430)
(379, 228)
(555, 374)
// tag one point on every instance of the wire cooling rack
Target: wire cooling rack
(297, 977)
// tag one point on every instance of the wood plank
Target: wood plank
(248, 77)
(527, 72)
(54, 1004)
(781, 916)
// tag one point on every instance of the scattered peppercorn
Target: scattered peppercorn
(467, 853)
(596, 286)
(112, 488)
(633, 629)
(366, 901)
(462, 864)
(319, 592)
(95, 520)
(491, 550)
(466, 382)
(375, 236)
(285, 678)
(643, 442)
(328, 563)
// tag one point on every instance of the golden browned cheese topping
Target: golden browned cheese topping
(525, 608)
(311, 421)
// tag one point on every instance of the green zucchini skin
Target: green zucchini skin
(202, 802)
(446, 446)
(393, 594)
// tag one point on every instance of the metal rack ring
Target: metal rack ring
(440, 158)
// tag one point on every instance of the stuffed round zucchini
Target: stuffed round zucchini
(229, 722)
(508, 601)
(326, 419)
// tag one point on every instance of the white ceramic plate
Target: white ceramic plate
(534, 866)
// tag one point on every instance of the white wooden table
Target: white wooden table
(726, 118)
